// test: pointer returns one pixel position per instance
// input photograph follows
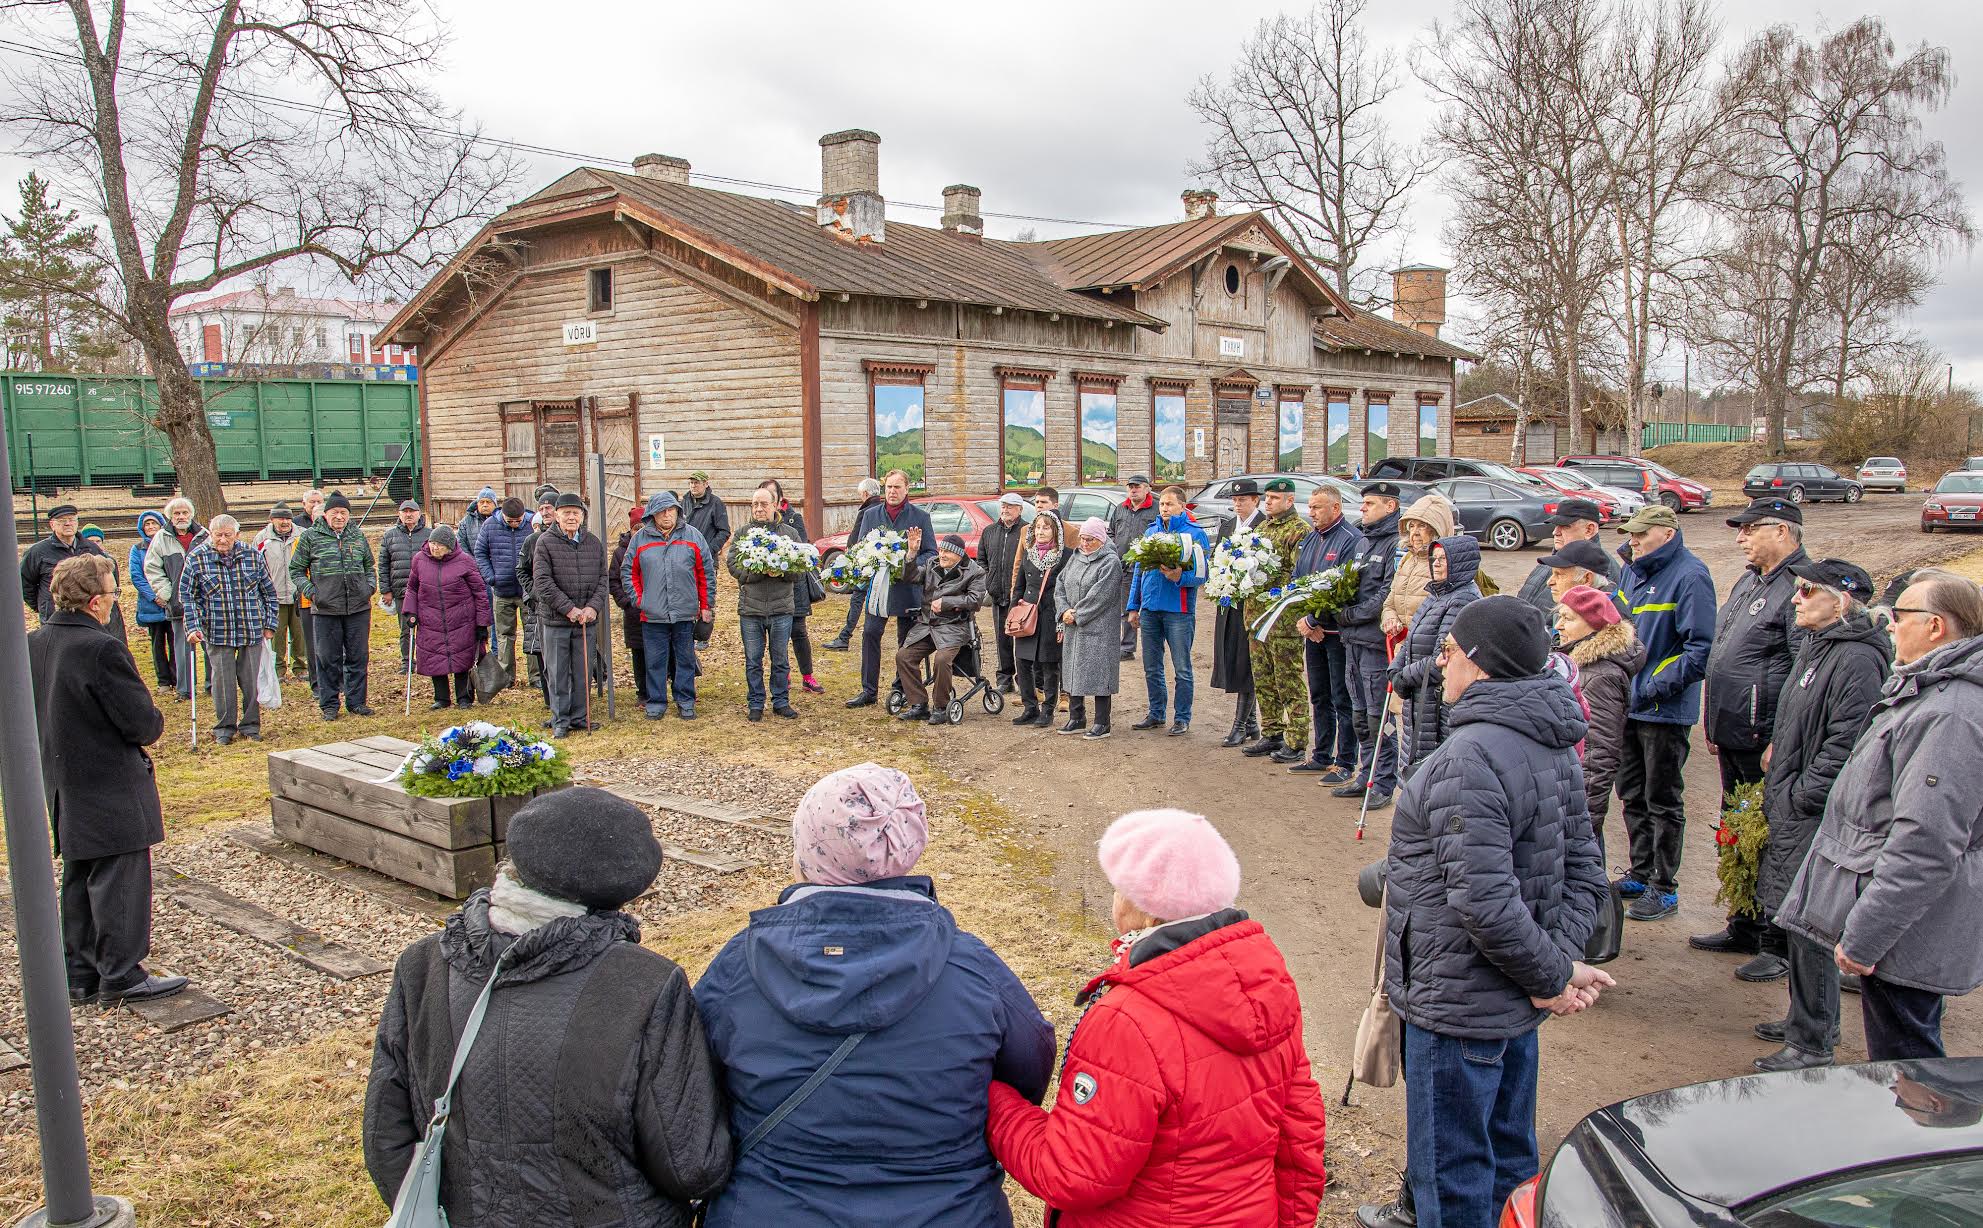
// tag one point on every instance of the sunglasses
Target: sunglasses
(1909, 609)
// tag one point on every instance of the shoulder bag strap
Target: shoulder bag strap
(799, 1097)
(1383, 936)
(469, 1030)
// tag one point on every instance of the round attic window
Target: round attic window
(1232, 279)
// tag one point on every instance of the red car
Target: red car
(1955, 503)
(1631, 473)
(1548, 476)
(963, 516)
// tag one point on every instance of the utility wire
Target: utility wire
(48, 55)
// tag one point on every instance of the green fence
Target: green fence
(74, 431)
(1654, 434)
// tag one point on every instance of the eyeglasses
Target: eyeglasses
(1908, 609)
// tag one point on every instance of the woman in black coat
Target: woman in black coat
(1825, 706)
(1415, 673)
(1038, 655)
(801, 591)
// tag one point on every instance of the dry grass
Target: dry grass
(276, 1141)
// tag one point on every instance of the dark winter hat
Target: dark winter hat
(443, 536)
(336, 501)
(1244, 486)
(1505, 636)
(513, 508)
(1585, 554)
(1570, 511)
(545, 494)
(1836, 574)
(1138, 479)
(279, 512)
(1387, 490)
(1769, 508)
(584, 845)
(570, 499)
(61, 509)
(951, 542)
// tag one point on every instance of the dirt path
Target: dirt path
(1678, 1016)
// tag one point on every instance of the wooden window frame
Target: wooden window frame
(593, 305)
(1426, 401)
(885, 373)
(1100, 382)
(1373, 397)
(1332, 397)
(1168, 386)
(1298, 393)
(1022, 379)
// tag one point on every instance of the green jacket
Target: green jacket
(334, 570)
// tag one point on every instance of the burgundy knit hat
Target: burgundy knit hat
(1593, 607)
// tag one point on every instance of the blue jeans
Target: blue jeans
(1469, 1124)
(776, 633)
(670, 649)
(1175, 629)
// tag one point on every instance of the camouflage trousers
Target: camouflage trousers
(1280, 686)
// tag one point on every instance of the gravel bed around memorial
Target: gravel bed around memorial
(342, 914)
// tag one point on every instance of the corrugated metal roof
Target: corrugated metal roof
(913, 262)
(290, 304)
(1367, 330)
(1133, 257)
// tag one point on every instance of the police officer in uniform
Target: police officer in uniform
(1363, 645)
(1278, 681)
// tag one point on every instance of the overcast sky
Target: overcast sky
(1061, 110)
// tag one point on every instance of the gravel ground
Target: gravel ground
(278, 1001)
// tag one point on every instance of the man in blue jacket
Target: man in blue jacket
(894, 599)
(1163, 601)
(1331, 716)
(1670, 596)
(498, 548)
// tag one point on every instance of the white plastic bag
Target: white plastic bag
(268, 687)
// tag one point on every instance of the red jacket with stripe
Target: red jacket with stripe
(1186, 1096)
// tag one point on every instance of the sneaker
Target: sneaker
(685, 711)
(1654, 906)
(1096, 731)
(1379, 800)
(329, 714)
(1351, 787)
(656, 711)
(787, 711)
(1628, 888)
(1335, 776)
(812, 684)
(361, 710)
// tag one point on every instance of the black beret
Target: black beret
(584, 845)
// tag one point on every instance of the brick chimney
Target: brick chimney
(960, 210)
(666, 168)
(1200, 203)
(1418, 297)
(850, 204)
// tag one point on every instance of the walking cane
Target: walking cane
(585, 685)
(1363, 812)
(409, 670)
(193, 688)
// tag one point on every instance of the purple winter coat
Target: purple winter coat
(448, 600)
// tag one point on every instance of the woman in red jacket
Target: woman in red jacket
(1185, 1097)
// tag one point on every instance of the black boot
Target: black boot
(1267, 745)
(1236, 736)
(1077, 715)
(1051, 700)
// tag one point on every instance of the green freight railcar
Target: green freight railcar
(84, 430)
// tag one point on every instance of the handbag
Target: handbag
(815, 590)
(418, 1203)
(491, 679)
(703, 629)
(784, 1110)
(1608, 935)
(1376, 1058)
(1023, 619)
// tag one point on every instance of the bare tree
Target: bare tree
(221, 137)
(1298, 131)
(1513, 79)
(1829, 143)
(1865, 283)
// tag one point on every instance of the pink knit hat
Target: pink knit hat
(1095, 529)
(1170, 863)
(1593, 607)
(857, 825)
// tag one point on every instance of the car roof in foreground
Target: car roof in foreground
(1733, 1141)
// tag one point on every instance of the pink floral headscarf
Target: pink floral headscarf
(857, 825)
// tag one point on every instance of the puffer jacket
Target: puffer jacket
(1824, 708)
(896, 1136)
(1415, 674)
(1376, 559)
(165, 558)
(569, 573)
(1185, 1097)
(1756, 637)
(1495, 877)
(397, 549)
(1670, 597)
(1414, 573)
(667, 573)
(276, 554)
(757, 596)
(1605, 661)
(1895, 874)
(1151, 589)
(962, 589)
(149, 610)
(998, 547)
(498, 549)
(334, 570)
(589, 1097)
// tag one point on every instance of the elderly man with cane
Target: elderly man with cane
(230, 612)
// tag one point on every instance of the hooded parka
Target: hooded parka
(1415, 675)
(1414, 574)
(1185, 1097)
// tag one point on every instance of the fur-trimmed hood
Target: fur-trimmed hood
(1616, 641)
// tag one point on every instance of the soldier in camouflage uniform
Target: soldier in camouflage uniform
(1278, 664)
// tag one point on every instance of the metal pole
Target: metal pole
(1686, 396)
(58, 1101)
(34, 494)
(596, 470)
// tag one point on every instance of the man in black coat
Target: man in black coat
(998, 551)
(1575, 520)
(1364, 650)
(41, 559)
(96, 717)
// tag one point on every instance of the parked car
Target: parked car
(1650, 480)
(1890, 1144)
(1502, 515)
(1801, 482)
(1439, 468)
(1955, 503)
(1974, 462)
(1571, 485)
(965, 517)
(1213, 502)
(1883, 473)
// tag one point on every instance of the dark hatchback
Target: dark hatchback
(1878, 1145)
(1801, 482)
(1503, 515)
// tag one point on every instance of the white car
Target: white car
(1628, 501)
(1883, 473)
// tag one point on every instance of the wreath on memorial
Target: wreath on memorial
(482, 760)
(1738, 844)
